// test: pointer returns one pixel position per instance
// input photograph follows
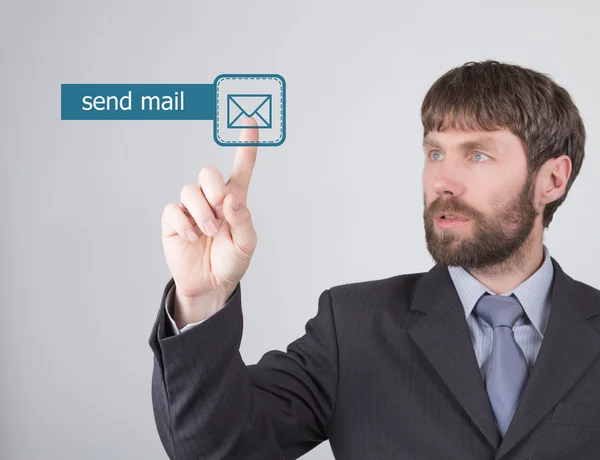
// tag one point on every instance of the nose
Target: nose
(447, 177)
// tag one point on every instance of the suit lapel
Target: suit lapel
(443, 336)
(569, 346)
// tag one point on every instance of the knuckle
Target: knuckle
(187, 191)
(168, 211)
(169, 215)
(208, 171)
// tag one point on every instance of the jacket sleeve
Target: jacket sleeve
(208, 404)
(172, 323)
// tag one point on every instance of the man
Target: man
(494, 353)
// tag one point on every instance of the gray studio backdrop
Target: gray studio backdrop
(340, 201)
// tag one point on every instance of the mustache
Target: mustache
(448, 207)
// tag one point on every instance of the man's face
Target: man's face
(482, 176)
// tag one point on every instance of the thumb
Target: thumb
(240, 221)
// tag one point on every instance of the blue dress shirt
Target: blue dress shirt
(534, 296)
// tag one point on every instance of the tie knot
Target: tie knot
(499, 310)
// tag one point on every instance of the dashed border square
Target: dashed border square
(275, 77)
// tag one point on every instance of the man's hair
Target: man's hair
(490, 95)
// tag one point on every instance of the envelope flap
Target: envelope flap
(249, 104)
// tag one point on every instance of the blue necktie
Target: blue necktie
(507, 368)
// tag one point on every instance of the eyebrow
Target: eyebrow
(486, 143)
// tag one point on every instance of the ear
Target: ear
(553, 178)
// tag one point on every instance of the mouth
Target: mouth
(450, 216)
(447, 220)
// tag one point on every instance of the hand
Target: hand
(207, 259)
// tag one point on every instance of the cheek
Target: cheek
(491, 192)
(427, 179)
(497, 206)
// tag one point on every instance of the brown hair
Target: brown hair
(490, 95)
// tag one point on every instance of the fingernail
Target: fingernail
(211, 227)
(219, 211)
(191, 235)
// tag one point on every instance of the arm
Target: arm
(209, 405)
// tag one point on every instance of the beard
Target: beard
(494, 239)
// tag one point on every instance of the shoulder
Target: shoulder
(587, 290)
(575, 292)
(398, 289)
(586, 297)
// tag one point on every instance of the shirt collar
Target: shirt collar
(531, 293)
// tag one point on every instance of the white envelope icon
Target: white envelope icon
(242, 106)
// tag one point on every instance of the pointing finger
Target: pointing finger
(244, 160)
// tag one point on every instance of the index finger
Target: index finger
(245, 158)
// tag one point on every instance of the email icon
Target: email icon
(243, 106)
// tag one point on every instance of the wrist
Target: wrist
(188, 310)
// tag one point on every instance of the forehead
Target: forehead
(499, 139)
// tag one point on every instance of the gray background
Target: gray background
(340, 201)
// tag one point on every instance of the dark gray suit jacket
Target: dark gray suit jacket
(386, 370)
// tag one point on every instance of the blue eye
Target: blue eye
(479, 153)
(434, 152)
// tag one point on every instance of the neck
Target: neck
(506, 276)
